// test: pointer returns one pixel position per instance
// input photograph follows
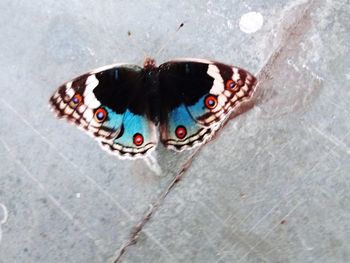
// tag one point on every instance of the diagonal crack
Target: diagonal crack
(154, 207)
(290, 36)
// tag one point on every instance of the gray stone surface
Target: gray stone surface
(272, 187)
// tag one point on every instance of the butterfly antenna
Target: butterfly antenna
(169, 38)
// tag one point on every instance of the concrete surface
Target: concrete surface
(272, 187)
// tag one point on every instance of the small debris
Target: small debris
(181, 25)
(284, 222)
(241, 194)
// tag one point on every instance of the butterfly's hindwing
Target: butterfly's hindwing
(181, 131)
(137, 136)
(107, 105)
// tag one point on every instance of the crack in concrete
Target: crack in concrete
(154, 207)
(290, 35)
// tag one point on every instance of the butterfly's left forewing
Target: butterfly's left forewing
(106, 103)
(203, 93)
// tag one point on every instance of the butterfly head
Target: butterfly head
(149, 63)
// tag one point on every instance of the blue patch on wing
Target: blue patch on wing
(114, 120)
(134, 124)
(181, 117)
(198, 109)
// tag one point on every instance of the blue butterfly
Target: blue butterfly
(121, 105)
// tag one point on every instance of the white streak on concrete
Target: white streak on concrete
(4, 218)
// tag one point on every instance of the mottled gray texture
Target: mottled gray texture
(272, 187)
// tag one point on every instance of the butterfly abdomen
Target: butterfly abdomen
(151, 85)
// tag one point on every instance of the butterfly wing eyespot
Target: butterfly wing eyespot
(230, 85)
(180, 132)
(100, 115)
(138, 139)
(210, 102)
(76, 100)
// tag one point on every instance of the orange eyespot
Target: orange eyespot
(230, 84)
(180, 132)
(138, 139)
(210, 102)
(100, 115)
(76, 100)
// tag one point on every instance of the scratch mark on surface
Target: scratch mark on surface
(264, 216)
(5, 214)
(4, 218)
(43, 189)
(152, 163)
(160, 245)
(334, 140)
(223, 251)
(304, 68)
(134, 235)
(335, 103)
(305, 246)
(90, 179)
(270, 231)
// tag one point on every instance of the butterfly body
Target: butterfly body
(122, 105)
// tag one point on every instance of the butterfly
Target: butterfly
(122, 105)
